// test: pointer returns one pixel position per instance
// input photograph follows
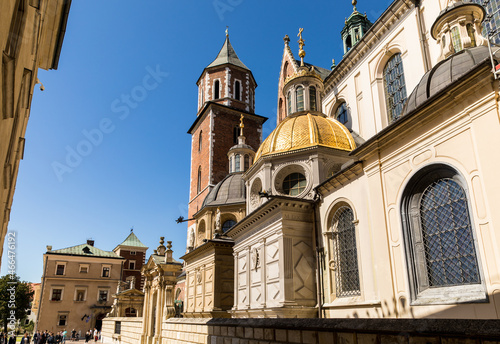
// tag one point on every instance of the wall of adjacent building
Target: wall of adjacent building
(130, 330)
(32, 32)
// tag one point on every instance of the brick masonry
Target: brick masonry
(139, 259)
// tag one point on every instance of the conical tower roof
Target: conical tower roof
(133, 241)
(227, 55)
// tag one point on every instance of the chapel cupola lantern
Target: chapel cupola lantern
(240, 155)
(303, 89)
(458, 27)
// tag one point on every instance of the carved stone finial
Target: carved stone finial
(286, 39)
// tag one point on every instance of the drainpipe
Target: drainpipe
(425, 53)
(319, 250)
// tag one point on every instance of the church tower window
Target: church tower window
(247, 161)
(216, 89)
(200, 141)
(395, 88)
(312, 98)
(299, 95)
(198, 188)
(237, 90)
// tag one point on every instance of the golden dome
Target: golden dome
(303, 131)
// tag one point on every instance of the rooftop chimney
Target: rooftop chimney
(90, 242)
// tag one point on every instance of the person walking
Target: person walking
(25, 339)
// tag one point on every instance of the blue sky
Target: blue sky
(128, 128)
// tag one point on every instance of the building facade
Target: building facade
(31, 36)
(77, 285)
(134, 251)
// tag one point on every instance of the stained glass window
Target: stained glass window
(345, 251)
(395, 88)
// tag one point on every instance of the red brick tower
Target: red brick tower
(226, 89)
(134, 251)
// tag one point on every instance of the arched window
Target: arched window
(294, 184)
(216, 89)
(200, 140)
(299, 96)
(345, 252)
(455, 39)
(231, 164)
(237, 163)
(237, 90)
(395, 88)
(247, 161)
(470, 32)
(341, 113)
(289, 102)
(439, 237)
(227, 225)
(312, 98)
(198, 187)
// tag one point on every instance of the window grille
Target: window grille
(447, 235)
(395, 88)
(345, 251)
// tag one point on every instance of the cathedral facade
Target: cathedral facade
(374, 197)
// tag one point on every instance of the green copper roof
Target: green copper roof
(85, 250)
(227, 55)
(132, 240)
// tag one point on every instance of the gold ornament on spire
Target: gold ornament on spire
(302, 53)
(227, 31)
(354, 3)
(241, 125)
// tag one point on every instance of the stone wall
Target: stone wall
(130, 333)
(331, 331)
